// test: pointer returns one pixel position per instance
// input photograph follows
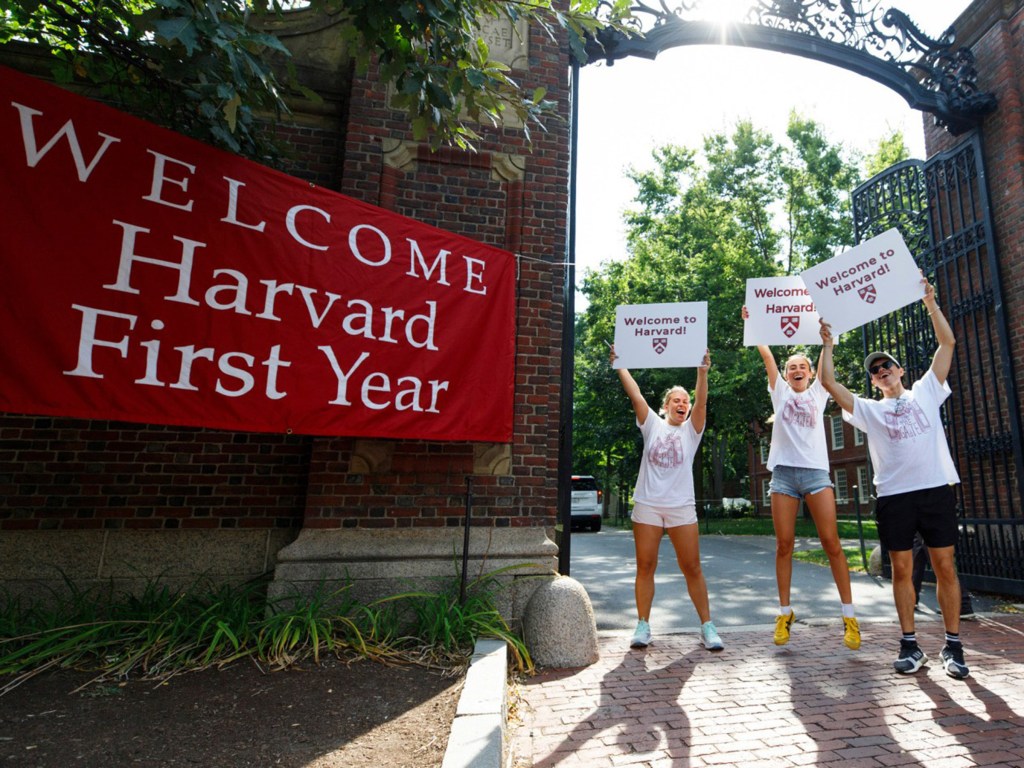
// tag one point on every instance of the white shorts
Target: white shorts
(664, 517)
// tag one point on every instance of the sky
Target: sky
(628, 109)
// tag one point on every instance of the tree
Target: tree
(818, 179)
(745, 171)
(207, 68)
(892, 149)
(748, 207)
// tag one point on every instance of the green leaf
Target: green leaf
(231, 111)
(180, 29)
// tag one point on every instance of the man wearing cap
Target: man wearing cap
(914, 478)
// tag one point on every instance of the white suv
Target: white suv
(586, 503)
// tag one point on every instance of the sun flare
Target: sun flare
(725, 11)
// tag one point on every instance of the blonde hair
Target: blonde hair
(668, 394)
(797, 355)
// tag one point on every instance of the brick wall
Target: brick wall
(65, 474)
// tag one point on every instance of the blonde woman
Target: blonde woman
(663, 500)
(798, 461)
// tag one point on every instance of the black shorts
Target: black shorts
(931, 511)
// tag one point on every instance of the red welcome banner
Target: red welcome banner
(147, 277)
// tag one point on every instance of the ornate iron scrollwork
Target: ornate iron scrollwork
(884, 44)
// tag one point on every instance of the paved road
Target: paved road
(740, 571)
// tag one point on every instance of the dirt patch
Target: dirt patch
(317, 716)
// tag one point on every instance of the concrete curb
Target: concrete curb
(477, 738)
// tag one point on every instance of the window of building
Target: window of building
(863, 485)
(766, 492)
(842, 491)
(838, 442)
(763, 446)
(858, 437)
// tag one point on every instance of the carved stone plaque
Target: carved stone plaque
(508, 42)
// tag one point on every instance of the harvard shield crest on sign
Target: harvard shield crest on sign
(790, 324)
(660, 345)
(868, 293)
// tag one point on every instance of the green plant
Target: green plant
(165, 631)
(445, 624)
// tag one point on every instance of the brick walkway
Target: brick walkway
(811, 702)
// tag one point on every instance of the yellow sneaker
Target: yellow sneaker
(851, 637)
(782, 624)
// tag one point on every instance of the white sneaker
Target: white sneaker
(710, 635)
(642, 635)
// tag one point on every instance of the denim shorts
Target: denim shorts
(799, 481)
(664, 517)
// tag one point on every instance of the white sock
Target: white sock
(847, 610)
(785, 610)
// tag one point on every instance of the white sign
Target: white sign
(867, 282)
(779, 311)
(661, 335)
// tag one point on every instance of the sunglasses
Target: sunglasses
(887, 364)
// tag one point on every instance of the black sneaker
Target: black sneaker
(953, 661)
(910, 660)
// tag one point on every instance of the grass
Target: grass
(762, 526)
(164, 632)
(818, 557)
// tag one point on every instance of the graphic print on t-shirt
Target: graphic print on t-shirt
(800, 412)
(666, 451)
(906, 420)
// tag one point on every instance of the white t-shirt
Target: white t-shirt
(798, 434)
(666, 469)
(906, 440)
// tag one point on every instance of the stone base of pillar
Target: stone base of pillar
(374, 563)
(559, 625)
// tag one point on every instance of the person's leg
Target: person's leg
(784, 509)
(940, 531)
(903, 588)
(686, 542)
(948, 592)
(911, 657)
(947, 586)
(646, 539)
(897, 517)
(822, 506)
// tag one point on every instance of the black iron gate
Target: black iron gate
(941, 207)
